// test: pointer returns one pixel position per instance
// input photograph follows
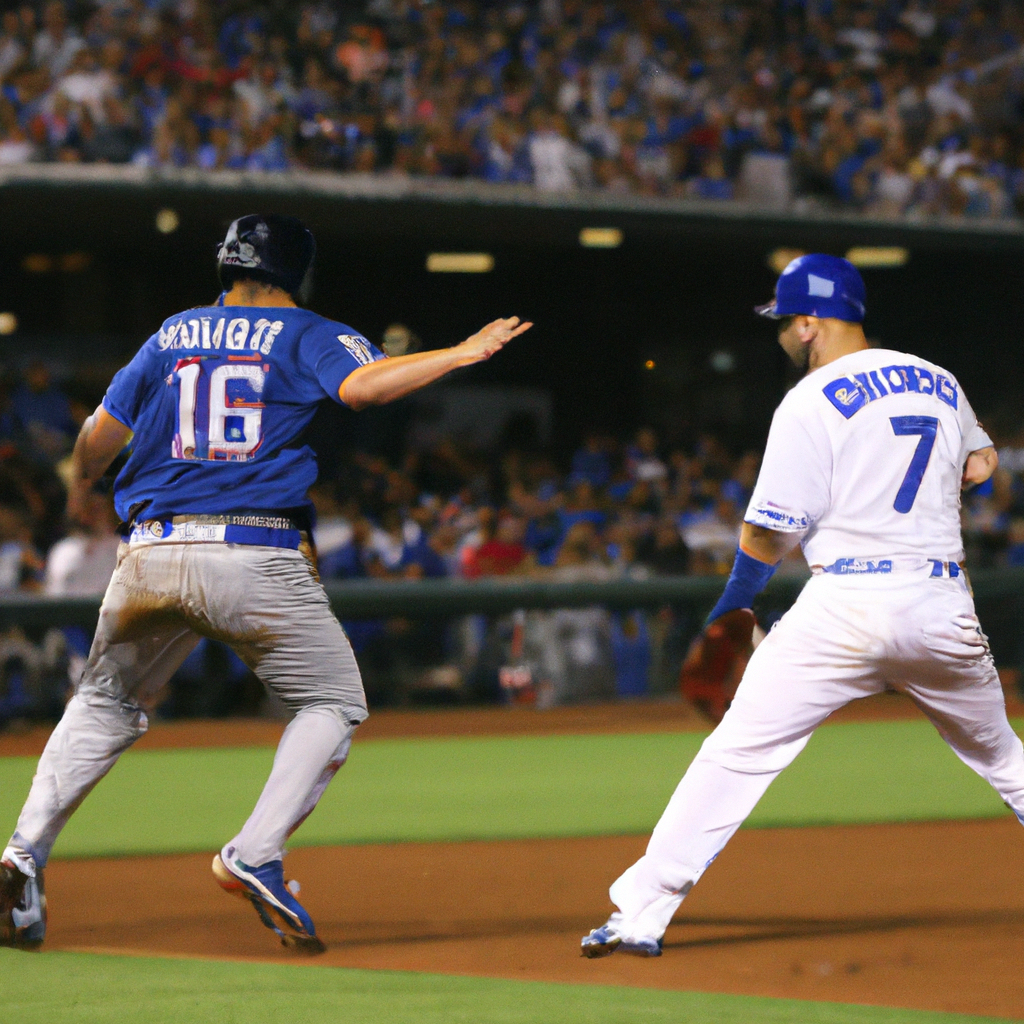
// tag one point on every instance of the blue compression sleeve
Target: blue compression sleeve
(748, 578)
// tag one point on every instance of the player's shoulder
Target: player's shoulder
(333, 328)
(859, 379)
(325, 332)
(842, 377)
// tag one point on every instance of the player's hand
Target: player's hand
(77, 508)
(490, 339)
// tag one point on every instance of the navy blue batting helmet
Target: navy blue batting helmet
(818, 285)
(266, 247)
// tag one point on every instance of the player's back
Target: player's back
(866, 454)
(218, 399)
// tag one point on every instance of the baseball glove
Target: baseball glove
(715, 662)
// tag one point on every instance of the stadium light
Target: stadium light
(878, 255)
(8, 323)
(601, 238)
(779, 259)
(167, 221)
(75, 262)
(722, 361)
(460, 262)
(37, 263)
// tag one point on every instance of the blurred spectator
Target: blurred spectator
(907, 108)
(21, 565)
(590, 463)
(501, 553)
(664, 552)
(572, 646)
(400, 341)
(642, 460)
(631, 650)
(82, 563)
(42, 413)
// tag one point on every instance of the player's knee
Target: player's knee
(748, 757)
(349, 714)
(102, 714)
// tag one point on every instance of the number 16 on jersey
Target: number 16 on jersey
(220, 407)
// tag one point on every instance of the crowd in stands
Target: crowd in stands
(889, 107)
(630, 507)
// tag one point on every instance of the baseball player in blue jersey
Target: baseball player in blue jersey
(217, 523)
(864, 465)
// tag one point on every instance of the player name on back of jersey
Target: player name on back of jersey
(850, 394)
(233, 333)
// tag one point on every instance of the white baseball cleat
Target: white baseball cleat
(606, 940)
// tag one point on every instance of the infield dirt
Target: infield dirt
(929, 916)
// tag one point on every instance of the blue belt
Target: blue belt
(265, 536)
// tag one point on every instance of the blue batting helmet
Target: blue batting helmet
(277, 250)
(818, 285)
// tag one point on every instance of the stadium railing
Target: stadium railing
(445, 598)
(173, 184)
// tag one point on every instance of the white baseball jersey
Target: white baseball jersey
(865, 458)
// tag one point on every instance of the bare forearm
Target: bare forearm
(390, 379)
(99, 441)
(770, 546)
(84, 459)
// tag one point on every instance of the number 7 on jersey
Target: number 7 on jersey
(926, 427)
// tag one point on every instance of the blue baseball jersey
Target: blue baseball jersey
(217, 400)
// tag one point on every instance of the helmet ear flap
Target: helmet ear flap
(303, 293)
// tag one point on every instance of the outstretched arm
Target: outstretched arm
(388, 379)
(100, 440)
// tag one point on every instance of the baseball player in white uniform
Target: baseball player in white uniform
(864, 465)
(216, 523)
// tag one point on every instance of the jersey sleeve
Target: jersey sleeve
(127, 392)
(331, 356)
(792, 490)
(972, 433)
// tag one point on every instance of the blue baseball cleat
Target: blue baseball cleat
(22, 907)
(606, 940)
(264, 887)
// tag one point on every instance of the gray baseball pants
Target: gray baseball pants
(268, 605)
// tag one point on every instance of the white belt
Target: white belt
(935, 567)
(154, 531)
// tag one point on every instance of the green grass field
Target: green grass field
(505, 788)
(452, 789)
(102, 989)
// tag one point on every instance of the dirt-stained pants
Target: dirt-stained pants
(268, 606)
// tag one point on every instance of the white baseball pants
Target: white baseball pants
(269, 607)
(845, 637)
